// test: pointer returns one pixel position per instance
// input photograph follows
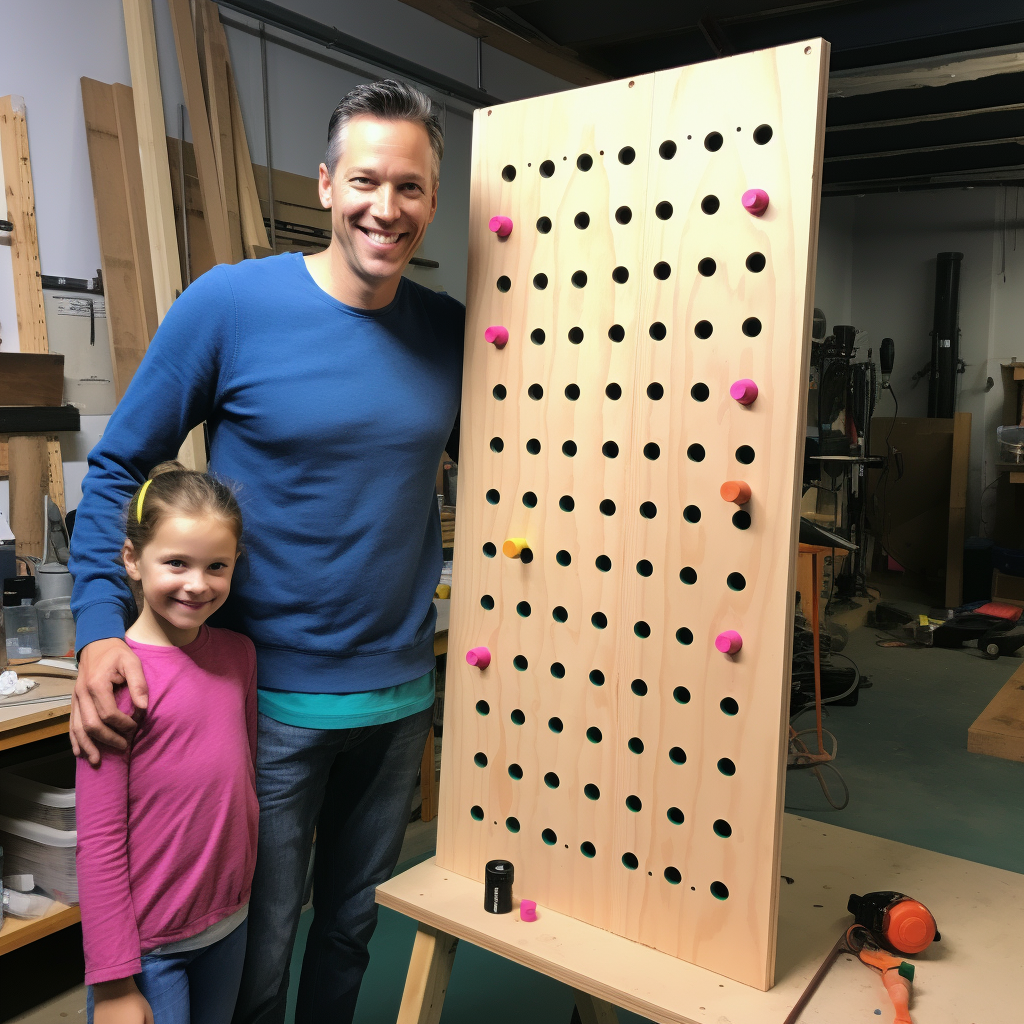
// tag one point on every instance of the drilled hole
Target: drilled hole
(530, 499)
(540, 282)
(629, 861)
(729, 706)
(480, 759)
(563, 557)
(655, 392)
(489, 550)
(700, 392)
(710, 204)
(504, 284)
(610, 449)
(599, 620)
(512, 824)
(594, 735)
(613, 391)
(588, 849)
(634, 803)
(487, 603)
(537, 336)
(763, 134)
(558, 670)
(688, 575)
(636, 745)
(722, 828)
(533, 446)
(675, 815)
(735, 581)
(691, 514)
(741, 520)
(745, 454)
(662, 271)
(684, 636)
(559, 614)
(524, 609)
(627, 154)
(499, 392)
(667, 150)
(591, 792)
(751, 327)
(620, 275)
(515, 771)
(508, 172)
(597, 677)
(644, 568)
(543, 225)
(720, 890)
(603, 563)
(695, 453)
(616, 332)
(483, 708)
(566, 503)
(706, 267)
(663, 210)
(551, 780)
(681, 695)
(657, 331)
(575, 335)
(572, 392)
(555, 724)
(623, 214)
(497, 445)
(648, 510)
(672, 875)
(642, 629)
(677, 755)
(584, 161)
(517, 716)
(726, 766)
(607, 507)
(652, 451)
(520, 663)
(756, 262)
(547, 168)
(526, 556)
(713, 142)
(579, 279)
(477, 812)
(493, 496)
(703, 329)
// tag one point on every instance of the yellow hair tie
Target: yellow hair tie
(138, 504)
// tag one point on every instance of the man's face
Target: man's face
(382, 196)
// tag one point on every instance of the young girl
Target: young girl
(167, 829)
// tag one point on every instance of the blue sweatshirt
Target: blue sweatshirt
(328, 422)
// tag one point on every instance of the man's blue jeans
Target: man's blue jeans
(354, 786)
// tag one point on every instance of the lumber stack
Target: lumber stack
(999, 730)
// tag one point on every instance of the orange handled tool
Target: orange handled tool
(896, 976)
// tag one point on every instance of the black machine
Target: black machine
(945, 336)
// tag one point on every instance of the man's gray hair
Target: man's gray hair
(390, 101)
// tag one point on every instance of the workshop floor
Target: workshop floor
(902, 751)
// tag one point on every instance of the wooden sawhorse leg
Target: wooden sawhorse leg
(591, 1010)
(433, 954)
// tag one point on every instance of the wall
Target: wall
(51, 44)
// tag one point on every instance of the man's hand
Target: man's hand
(120, 1002)
(95, 716)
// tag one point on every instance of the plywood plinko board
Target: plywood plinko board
(631, 771)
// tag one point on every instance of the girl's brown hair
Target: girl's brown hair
(174, 490)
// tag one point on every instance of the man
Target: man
(329, 384)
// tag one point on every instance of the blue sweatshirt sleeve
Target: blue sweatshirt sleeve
(174, 389)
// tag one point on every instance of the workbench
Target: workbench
(974, 975)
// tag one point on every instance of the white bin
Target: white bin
(47, 853)
(41, 791)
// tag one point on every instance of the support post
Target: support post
(433, 955)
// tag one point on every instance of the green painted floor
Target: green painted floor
(903, 753)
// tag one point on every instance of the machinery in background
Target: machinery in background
(945, 334)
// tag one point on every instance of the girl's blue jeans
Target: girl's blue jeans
(197, 987)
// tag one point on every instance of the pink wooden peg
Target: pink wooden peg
(729, 642)
(744, 391)
(478, 657)
(501, 226)
(496, 335)
(755, 201)
(527, 910)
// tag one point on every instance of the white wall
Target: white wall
(50, 44)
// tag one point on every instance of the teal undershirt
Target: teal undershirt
(348, 710)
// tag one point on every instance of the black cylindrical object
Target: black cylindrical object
(945, 336)
(498, 877)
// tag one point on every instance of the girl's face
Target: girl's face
(185, 570)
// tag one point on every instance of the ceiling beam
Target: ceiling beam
(918, 150)
(948, 69)
(895, 122)
(475, 20)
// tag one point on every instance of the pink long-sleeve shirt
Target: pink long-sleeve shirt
(167, 829)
